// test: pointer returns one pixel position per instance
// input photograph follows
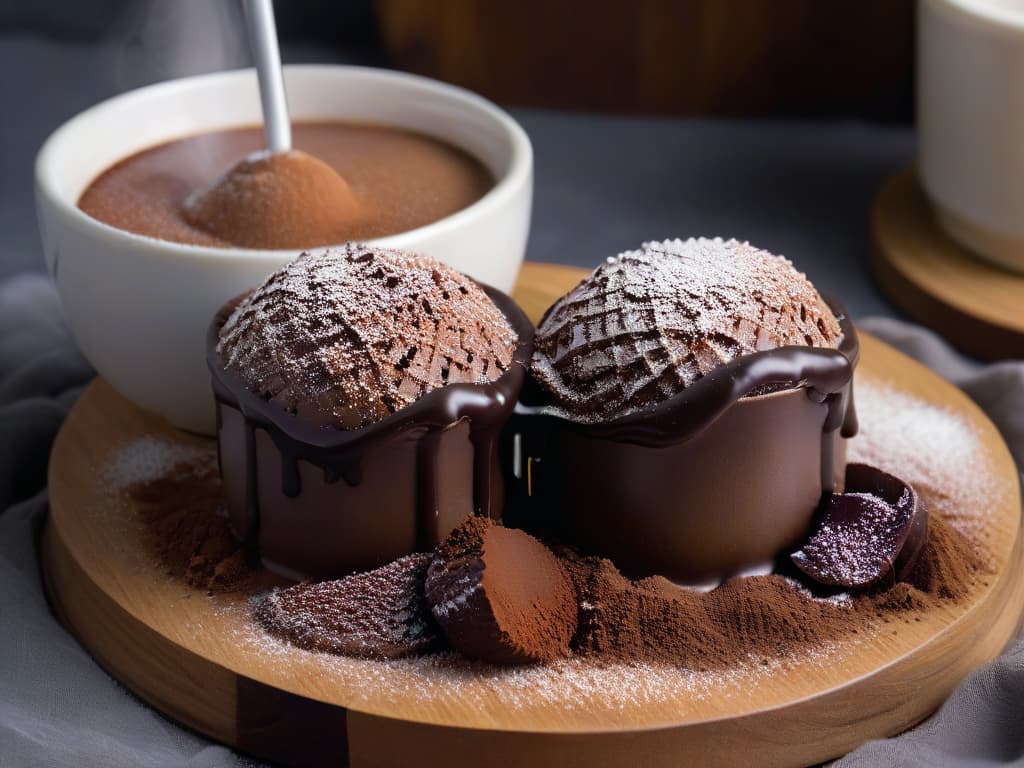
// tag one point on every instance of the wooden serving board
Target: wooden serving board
(977, 306)
(199, 659)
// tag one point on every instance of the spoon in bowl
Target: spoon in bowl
(278, 197)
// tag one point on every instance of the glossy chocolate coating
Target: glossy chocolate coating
(863, 478)
(874, 552)
(705, 484)
(318, 502)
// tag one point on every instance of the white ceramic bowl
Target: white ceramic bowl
(139, 307)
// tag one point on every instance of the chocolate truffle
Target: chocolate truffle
(501, 596)
(286, 200)
(345, 336)
(650, 322)
(382, 614)
(870, 536)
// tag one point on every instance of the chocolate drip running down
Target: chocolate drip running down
(822, 362)
(300, 434)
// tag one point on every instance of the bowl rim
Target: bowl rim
(504, 189)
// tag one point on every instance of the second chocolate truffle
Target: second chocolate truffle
(650, 322)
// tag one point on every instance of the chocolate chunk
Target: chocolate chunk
(501, 596)
(381, 614)
(869, 536)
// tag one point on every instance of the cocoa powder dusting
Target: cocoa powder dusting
(385, 614)
(620, 620)
(185, 528)
(501, 596)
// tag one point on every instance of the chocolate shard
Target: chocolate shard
(501, 596)
(869, 536)
(380, 614)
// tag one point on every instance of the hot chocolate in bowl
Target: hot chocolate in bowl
(139, 306)
(709, 483)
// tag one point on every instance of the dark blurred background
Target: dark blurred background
(681, 57)
(620, 72)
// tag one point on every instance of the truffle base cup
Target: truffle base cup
(331, 529)
(731, 498)
(315, 503)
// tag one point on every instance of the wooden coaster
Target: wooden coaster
(200, 660)
(977, 306)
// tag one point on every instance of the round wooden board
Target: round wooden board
(979, 307)
(199, 659)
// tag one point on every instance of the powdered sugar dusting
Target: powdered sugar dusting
(933, 449)
(856, 544)
(591, 691)
(467, 586)
(650, 322)
(149, 458)
(351, 334)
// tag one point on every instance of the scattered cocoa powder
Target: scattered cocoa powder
(654, 620)
(384, 614)
(184, 526)
(651, 620)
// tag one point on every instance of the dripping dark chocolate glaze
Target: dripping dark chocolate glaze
(825, 374)
(337, 452)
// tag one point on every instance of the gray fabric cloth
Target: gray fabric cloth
(57, 708)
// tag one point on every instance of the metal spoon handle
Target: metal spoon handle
(277, 127)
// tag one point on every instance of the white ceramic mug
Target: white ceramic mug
(970, 117)
(139, 307)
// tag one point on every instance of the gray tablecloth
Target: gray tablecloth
(57, 708)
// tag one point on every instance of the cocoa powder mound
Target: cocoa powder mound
(655, 620)
(759, 616)
(286, 200)
(185, 528)
(948, 564)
